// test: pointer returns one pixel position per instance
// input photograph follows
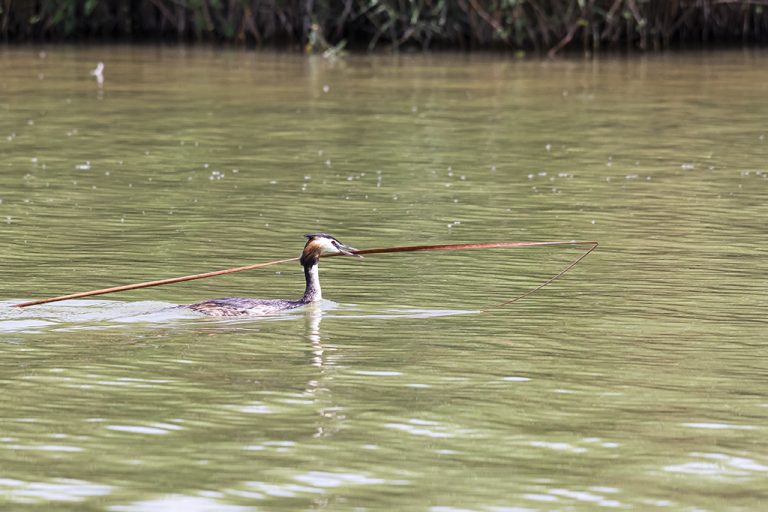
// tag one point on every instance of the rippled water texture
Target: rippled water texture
(638, 381)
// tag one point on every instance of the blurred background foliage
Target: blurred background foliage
(319, 25)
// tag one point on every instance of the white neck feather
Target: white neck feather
(312, 292)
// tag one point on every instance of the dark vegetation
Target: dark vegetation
(317, 25)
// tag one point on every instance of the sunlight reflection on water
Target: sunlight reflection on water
(56, 490)
(182, 502)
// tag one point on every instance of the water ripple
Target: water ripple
(152, 429)
(59, 489)
(718, 465)
(180, 502)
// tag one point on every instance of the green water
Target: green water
(639, 381)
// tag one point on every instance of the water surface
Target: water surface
(638, 381)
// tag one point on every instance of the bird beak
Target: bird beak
(347, 250)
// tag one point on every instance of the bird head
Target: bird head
(322, 244)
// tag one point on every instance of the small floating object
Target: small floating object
(318, 245)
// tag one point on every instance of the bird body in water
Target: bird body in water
(318, 244)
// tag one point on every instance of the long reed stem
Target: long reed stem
(381, 250)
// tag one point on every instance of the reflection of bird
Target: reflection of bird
(318, 244)
(98, 73)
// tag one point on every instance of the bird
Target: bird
(318, 244)
(98, 72)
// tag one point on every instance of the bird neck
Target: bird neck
(312, 292)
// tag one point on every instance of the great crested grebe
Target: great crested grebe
(318, 244)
